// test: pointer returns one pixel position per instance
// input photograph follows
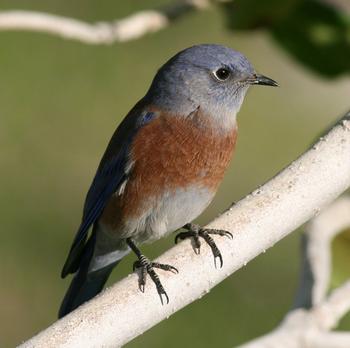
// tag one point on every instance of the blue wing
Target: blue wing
(109, 176)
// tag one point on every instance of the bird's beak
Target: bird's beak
(258, 79)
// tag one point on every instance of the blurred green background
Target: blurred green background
(61, 100)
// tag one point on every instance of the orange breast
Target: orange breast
(170, 153)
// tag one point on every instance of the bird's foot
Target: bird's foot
(147, 267)
(195, 231)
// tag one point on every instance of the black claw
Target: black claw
(167, 298)
(161, 298)
(194, 231)
(221, 260)
(142, 275)
(174, 270)
(197, 243)
(225, 234)
(164, 267)
(147, 267)
(180, 236)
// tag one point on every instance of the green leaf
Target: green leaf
(316, 34)
(254, 14)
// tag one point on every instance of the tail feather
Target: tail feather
(85, 285)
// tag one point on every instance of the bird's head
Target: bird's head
(212, 77)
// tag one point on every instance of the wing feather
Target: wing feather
(111, 174)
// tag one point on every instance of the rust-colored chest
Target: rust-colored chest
(172, 153)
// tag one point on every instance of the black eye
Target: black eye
(222, 74)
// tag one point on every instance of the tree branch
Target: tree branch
(303, 328)
(308, 324)
(129, 28)
(257, 222)
(316, 252)
(321, 232)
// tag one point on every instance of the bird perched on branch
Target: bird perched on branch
(161, 168)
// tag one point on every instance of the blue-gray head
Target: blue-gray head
(213, 77)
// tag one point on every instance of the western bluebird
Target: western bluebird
(161, 168)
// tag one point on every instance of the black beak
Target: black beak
(262, 80)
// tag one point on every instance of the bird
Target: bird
(161, 169)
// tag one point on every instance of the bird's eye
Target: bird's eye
(222, 74)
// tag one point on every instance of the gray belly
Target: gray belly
(173, 211)
(161, 216)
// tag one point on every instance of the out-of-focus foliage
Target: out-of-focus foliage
(60, 103)
(314, 32)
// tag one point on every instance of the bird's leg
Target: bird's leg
(147, 266)
(195, 231)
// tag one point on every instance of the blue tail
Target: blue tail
(84, 285)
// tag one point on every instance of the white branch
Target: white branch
(330, 311)
(330, 340)
(309, 328)
(257, 223)
(321, 230)
(316, 252)
(126, 29)
(302, 328)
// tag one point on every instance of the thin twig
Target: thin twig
(129, 28)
